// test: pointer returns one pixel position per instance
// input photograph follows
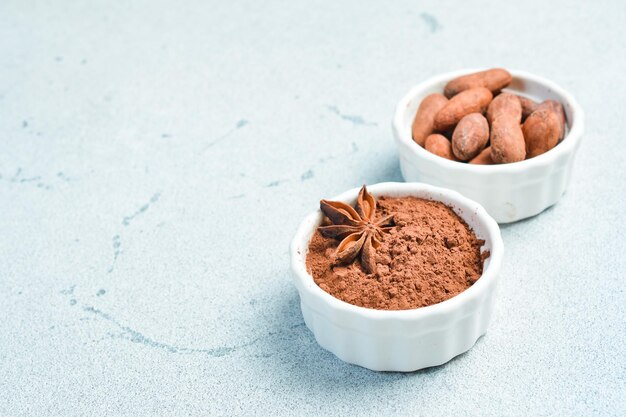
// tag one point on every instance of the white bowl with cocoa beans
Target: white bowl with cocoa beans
(506, 139)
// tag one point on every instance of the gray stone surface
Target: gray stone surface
(157, 157)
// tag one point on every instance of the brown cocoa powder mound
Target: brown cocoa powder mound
(430, 256)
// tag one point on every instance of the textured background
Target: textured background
(156, 158)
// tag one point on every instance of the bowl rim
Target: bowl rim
(567, 145)
(305, 282)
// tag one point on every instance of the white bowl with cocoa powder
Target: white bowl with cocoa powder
(401, 340)
(509, 192)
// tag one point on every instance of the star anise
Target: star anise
(360, 232)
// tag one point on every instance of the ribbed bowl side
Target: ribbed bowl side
(427, 345)
(507, 198)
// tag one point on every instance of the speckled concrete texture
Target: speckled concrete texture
(156, 158)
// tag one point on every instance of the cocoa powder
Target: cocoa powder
(429, 256)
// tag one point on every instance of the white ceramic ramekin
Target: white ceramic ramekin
(509, 192)
(402, 340)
